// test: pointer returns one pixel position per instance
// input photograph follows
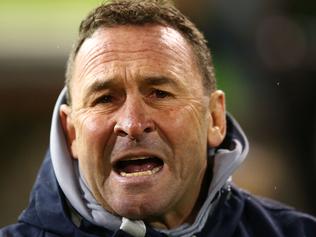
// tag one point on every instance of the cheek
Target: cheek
(94, 129)
(93, 145)
(186, 123)
(93, 139)
(185, 130)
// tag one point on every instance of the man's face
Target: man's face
(139, 121)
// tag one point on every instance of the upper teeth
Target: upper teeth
(138, 158)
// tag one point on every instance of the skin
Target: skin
(137, 91)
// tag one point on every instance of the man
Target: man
(140, 142)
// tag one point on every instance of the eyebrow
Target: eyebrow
(100, 85)
(159, 80)
(97, 86)
(103, 84)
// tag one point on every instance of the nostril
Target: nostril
(121, 133)
(147, 130)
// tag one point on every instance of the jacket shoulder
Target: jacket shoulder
(24, 230)
(282, 220)
(20, 230)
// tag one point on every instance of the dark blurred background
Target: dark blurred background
(264, 52)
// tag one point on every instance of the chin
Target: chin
(136, 210)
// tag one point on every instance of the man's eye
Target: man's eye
(161, 94)
(105, 99)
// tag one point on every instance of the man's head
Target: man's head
(140, 119)
(142, 12)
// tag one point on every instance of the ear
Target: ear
(69, 129)
(217, 123)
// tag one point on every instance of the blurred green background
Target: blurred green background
(264, 52)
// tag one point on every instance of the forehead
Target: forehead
(139, 49)
(120, 37)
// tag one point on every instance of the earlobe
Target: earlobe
(217, 123)
(69, 129)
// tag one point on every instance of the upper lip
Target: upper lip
(133, 154)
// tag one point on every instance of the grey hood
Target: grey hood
(226, 160)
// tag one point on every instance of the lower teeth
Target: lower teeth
(141, 173)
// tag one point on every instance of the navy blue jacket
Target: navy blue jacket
(238, 214)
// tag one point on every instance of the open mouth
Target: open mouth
(139, 166)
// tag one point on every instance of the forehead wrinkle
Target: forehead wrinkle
(109, 49)
(91, 71)
(89, 61)
(108, 56)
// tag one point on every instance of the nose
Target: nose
(133, 121)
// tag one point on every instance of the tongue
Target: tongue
(133, 166)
